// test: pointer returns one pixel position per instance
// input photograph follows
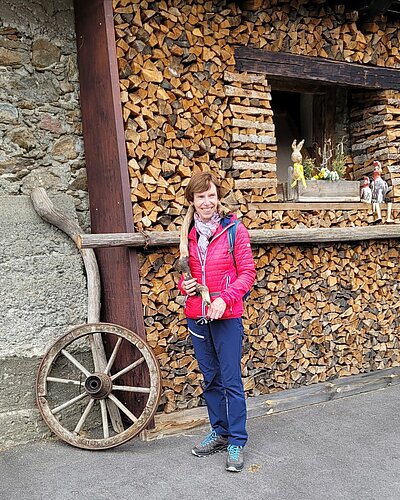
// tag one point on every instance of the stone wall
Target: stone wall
(42, 295)
(40, 123)
(43, 287)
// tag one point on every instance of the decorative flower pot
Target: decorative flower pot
(333, 191)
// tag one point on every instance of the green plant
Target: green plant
(332, 161)
(308, 167)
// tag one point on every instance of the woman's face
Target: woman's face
(205, 203)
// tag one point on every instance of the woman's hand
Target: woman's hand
(189, 286)
(217, 309)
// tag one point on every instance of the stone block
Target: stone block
(42, 294)
(43, 290)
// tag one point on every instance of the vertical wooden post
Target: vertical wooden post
(107, 171)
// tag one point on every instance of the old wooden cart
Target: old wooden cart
(79, 390)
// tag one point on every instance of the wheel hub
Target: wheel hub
(98, 385)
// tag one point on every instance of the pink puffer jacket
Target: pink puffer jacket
(219, 273)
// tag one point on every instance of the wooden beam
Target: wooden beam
(257, 236)
(289, 399)
(290, 66)
(107, 170)
(316, 206)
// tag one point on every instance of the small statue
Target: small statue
(366, 193)
(380, 190)
(297, 159)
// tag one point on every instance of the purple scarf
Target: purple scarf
(206, 230)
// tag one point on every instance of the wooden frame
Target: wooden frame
(323, 115)
(107, 169)
(315, 69)
(257, 236)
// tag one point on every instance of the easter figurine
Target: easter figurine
(297, 158)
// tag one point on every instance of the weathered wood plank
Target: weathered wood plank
(329, 191)
(261, 406)
(252, 94)
(254, 153)
(255, 183)
(313, 206)
(250, 110)
(257, 236)
(269, 127)
(255, 139)
(323, 392)
(314, 68)
(245, 78)
(254, 165)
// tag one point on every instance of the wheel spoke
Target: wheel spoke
(69, 403)
(128, 368)
(144, 390)
(75, 362)
(84, 416)
(123, 408)
(64, 381)
(115, 417)
(104, 418)
(113, 356)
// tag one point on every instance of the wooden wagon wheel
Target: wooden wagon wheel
(75, 376)
(81, 413)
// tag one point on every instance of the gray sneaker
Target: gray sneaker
(234, 460)
(211, 444)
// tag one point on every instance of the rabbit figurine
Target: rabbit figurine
(297, 158)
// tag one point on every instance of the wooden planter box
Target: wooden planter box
(329, 191)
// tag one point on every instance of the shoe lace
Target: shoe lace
(210, 438)
(233, 451)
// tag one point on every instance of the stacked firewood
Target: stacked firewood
(291, 219)
(166, 330)
(184, 105)
(253, 142)
(317, 29)
(314, 313)
(375, 119)
(318, 313)
(175, 109)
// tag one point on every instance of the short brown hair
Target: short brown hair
(200, 182)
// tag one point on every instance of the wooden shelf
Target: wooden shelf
(313, 206)
(257, 236)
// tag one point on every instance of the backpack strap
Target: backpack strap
(231, 239)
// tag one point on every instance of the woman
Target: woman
(217, 331)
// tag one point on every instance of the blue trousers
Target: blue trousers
(218, 350)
